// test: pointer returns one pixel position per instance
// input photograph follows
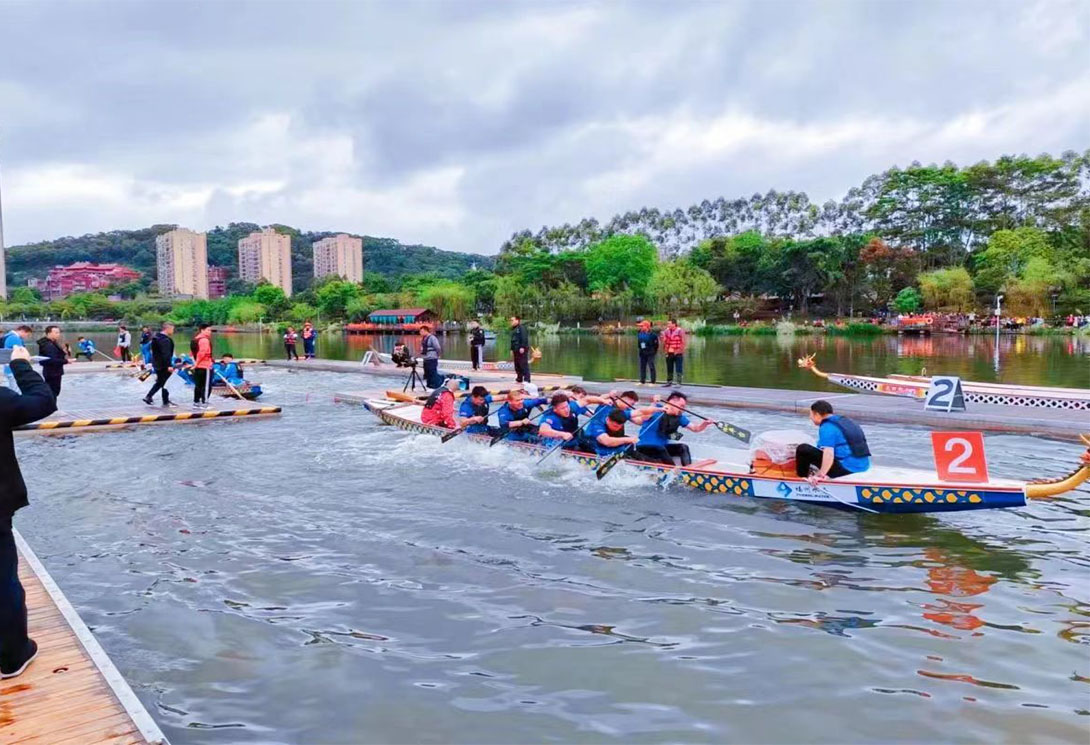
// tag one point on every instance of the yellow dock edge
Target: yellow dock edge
(128, 700)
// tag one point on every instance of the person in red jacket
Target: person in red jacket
(201, 346)
(439, 408)
(673, 344)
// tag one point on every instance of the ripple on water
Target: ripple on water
(322, 578)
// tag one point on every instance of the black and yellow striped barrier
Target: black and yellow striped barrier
(180, 416)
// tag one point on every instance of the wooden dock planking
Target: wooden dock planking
(73, 421)
(71, 694)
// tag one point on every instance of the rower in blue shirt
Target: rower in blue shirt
(515, 415)
(625, 403)
(612, 439)
(660, 430)
(841, 447)
(473, 412)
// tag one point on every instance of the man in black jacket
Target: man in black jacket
(34, 402)
(55, 358)
(162, 361)
(520, 350)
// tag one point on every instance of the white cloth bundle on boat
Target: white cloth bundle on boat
(778, 445)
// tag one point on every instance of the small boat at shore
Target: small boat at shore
(916, 386)
(882, 489)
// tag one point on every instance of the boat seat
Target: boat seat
(762, 465)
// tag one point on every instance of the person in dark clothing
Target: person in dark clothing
(162, 361)
(841, 447)
(55, 358)
(520, 350)
(476, 345)
(648, 342)
(34, 401)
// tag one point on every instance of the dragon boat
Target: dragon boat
(916, 386)
(882, 489)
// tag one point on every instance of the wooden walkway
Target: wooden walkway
(71, 694)
(86, 420)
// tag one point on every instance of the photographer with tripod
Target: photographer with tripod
(430, 351)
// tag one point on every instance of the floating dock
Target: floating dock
(89, 420)
(402, 373)
(116, 366)
(71, 694)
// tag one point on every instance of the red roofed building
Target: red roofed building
(84, 276)
(392, 320)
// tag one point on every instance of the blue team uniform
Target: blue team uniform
(831, 436)
(597, 424)
(467, 410)
(506, 415)
(651, 434)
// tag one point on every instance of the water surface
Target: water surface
(319, 578)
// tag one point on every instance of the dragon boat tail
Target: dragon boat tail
(882, 489)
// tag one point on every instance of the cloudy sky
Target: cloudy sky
(456, 123)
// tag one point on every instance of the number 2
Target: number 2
(966, 452)
(943, 388)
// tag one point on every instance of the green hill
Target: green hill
(136, 248)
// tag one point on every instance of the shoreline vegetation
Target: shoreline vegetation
(949, 242)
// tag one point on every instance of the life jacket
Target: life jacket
(480, 410)
(433, 399)
(523, 413)
(857, 441)
(668, 425)
(568, 423)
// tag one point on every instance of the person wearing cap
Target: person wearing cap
(647, 340)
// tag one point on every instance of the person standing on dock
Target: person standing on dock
(841, 447)
(673, 345)
(520, 350)
(124, 342)
(201, 347)
(32, 402)
(290, 340)
(430, 351)
(145, 346)
(15, 338)
(55, 358)
(648, 342)
(162, 360)
(476, 345)
(310, 336)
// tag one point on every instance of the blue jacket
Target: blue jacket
(506, 415)
(651, 433)
(466, 410)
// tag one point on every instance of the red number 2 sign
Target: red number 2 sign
(959, 456)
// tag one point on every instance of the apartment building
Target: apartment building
(182, 260)
(266, 255)
(341, 255)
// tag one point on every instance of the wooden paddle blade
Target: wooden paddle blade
(606, 467)
(736, 432)
(451, 435)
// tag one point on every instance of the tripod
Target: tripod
(413, 379)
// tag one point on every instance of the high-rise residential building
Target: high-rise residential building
(341, 255)
(183, 264)
(266, 255)
(217, 281)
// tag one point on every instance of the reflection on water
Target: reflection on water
(750, 361)
(322, 579)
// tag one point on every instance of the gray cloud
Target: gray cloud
(458, 123)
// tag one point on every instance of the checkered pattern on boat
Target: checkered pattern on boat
(914, 499)
(971, 397)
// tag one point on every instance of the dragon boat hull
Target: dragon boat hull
(916, 386)
(881, 490)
